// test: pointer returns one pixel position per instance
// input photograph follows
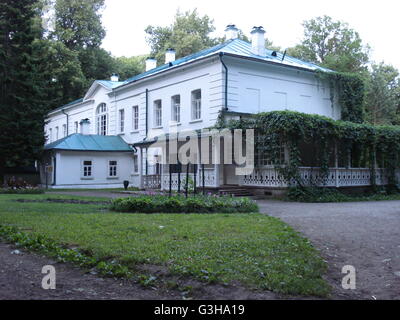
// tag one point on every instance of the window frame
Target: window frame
(135, 164)
(157, 105)
(121, 120)
(83, 166)
(196, 105)
(135, 118)
(114, 167)
(102, 119)
(176, 109)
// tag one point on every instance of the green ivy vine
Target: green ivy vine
(274, 129)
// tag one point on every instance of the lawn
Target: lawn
(258, 251)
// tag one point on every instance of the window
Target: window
(264, 157)
(102, 119)
(112, 168)
(50, 135)
(157, 113)
(87, 169)
(76, 126)
(196, 105)
(57, 132)
(121, 120)
(64, 130)
(135, 164)
(135, 114)
(176, 108)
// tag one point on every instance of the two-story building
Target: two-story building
(108, 136)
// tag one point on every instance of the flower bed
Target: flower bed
(180, 204)
(21, 191)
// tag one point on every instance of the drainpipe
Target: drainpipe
(63, 111)
(147, 112)
(221, 54)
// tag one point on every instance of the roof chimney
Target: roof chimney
(231, 32)
(151, 63)
(170, 55)
(258, 41)
(115, 77)
(85, 126)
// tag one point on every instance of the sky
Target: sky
(377, 22)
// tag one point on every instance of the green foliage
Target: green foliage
(180, 204)
(21, 191)
(188, 34)
(78, 23)
(128, 67)
(255, 250)
(22, 104)
(49, 247)
(333, 44)
(314, 194)
(350, 88)
(274, 129)
(383, 94)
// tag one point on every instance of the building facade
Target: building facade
(190, 94)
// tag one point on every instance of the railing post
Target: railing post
(337, 177)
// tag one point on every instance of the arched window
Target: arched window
(102, 119)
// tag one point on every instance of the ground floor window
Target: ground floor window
(87, 169)
(112, 168)
(135, 164)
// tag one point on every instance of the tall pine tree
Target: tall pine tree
(22, 106)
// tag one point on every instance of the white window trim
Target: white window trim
(157, 124)
(82, 170)
(121, 120)
(135, 118)
(116, 169)
(193, 102)
(173, 110)
(136, 172)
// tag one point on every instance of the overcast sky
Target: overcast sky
(377, 22)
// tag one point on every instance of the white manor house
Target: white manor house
(107, 137)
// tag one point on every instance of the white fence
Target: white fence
(337, 177)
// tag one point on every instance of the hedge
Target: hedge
(180, 204)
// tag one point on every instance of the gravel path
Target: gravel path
(365, 235)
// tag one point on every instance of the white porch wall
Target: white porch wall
(69, 170)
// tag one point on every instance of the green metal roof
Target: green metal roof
(97, 143)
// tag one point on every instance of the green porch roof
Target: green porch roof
(97, 143)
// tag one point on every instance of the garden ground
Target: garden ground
(365, 235)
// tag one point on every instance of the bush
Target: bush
(318, 194)
(180, 204)
(21, 191)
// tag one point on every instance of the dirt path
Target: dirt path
(21, 278)
(365, 235)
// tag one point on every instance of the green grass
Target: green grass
(258, 251)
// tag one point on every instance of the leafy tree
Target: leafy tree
(129, 67)
(333, 44)
(188, 34)
(22, 110)
(78, 23)
(383, 92)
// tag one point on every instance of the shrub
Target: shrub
(21, 191)
(180, 204)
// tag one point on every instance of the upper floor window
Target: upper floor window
(176, 108)
(135, 115)
(57, 133)
(50, 135)
(64, 130)
(102, 119)
(196, 105)
(76, 126)
(157, 113)
(121, 120)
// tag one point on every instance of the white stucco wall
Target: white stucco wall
(69, 170)
(259, 87)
